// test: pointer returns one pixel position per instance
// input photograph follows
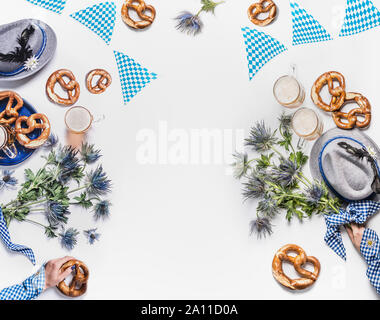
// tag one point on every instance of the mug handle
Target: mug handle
(10, 151)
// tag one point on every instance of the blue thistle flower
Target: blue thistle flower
(51, 142)
(240, 165)
(89, 153)
(189, 23)
(69, 163)
(7, 180)
(261, 227)
(69, 238)
(314, 193)
(255, 187)
(56, 212)
(102, 209)
(91, 235)
(286, 173)
(285, 121)
(98, 182)
(268, 207)
(261, 137)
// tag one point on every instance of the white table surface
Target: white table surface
(181, 231)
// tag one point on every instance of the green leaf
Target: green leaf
(209, 6)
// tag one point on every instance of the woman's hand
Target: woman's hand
(53, 274)
(355, 232)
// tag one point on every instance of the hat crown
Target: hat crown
(9, 34)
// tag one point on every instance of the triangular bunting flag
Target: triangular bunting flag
(99, 18)
(52, 5)
(361, 15)
(260, 48)
(133, 77)
(305, 28)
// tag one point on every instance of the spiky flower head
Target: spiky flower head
(255, 187)
(261, 227)
(98, 182)
(241, 165)
(51, 142)
(91, 235)
(7, 180)
(69, 238)
(268, 207)
(286, 173)
(261, 137)
(189, 23)
(285, 121)
(102, 209)
(314, 193)
(67, 159)
(89, 153)
(56, 212)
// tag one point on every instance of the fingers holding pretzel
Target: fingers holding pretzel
(71, 87)
(34, 122)
(263, 6)
(78, 285)
(102, 83)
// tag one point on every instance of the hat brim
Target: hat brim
(328, 135)
(47, 55)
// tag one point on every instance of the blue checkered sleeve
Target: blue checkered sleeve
(370, 247)
(30, 289)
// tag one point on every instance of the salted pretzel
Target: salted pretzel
(72, 87)
(103, 82)
(33, 122)
(78, 285)
(351, 118)
(308, 278)
(338, 93)
(263, 6)
(10, 113)
(140, 7)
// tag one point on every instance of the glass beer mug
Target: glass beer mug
(7, 141)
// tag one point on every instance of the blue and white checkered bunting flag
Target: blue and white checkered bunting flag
(52, 5)
(358, 212)
(361, 15)
(6, 238)
(133, 77)
(99, 18)
(260, 48)
(305, 28)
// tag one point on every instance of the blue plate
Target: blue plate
(23, 153)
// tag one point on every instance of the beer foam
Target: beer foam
(305, 122)
(78, 119)
(287, 90)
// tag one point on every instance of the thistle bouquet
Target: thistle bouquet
(62, 182)
(275, 177)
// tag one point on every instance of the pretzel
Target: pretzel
(10, 113)
(103, 82)
(140, 7)
(78, 285)
(35, 121)
(338, 93)
(70, 87)
(260, 7)
(300, 259)
(352, 116)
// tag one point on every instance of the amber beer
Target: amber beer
(289, 92)
(7, 141)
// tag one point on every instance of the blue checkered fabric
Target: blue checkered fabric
(260, 48)
(370, 247)
(99, 18)
(133, 77)
(30, 289)
(361, 15)
(358, 212)
(305, 28)
(52, 5)
(6, 238)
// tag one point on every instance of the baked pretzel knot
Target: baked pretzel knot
(10, 113)
(351, 118)
(298, 261)
(140, 7)
(33, 122)
(263, 6)
(102, 83)
(78, 285)
(338, 93)
(72, 87)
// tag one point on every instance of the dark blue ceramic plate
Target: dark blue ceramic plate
(23, 153)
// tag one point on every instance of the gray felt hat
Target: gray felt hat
(26, 46)
(350, 178)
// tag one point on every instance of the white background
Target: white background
(181, 231)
